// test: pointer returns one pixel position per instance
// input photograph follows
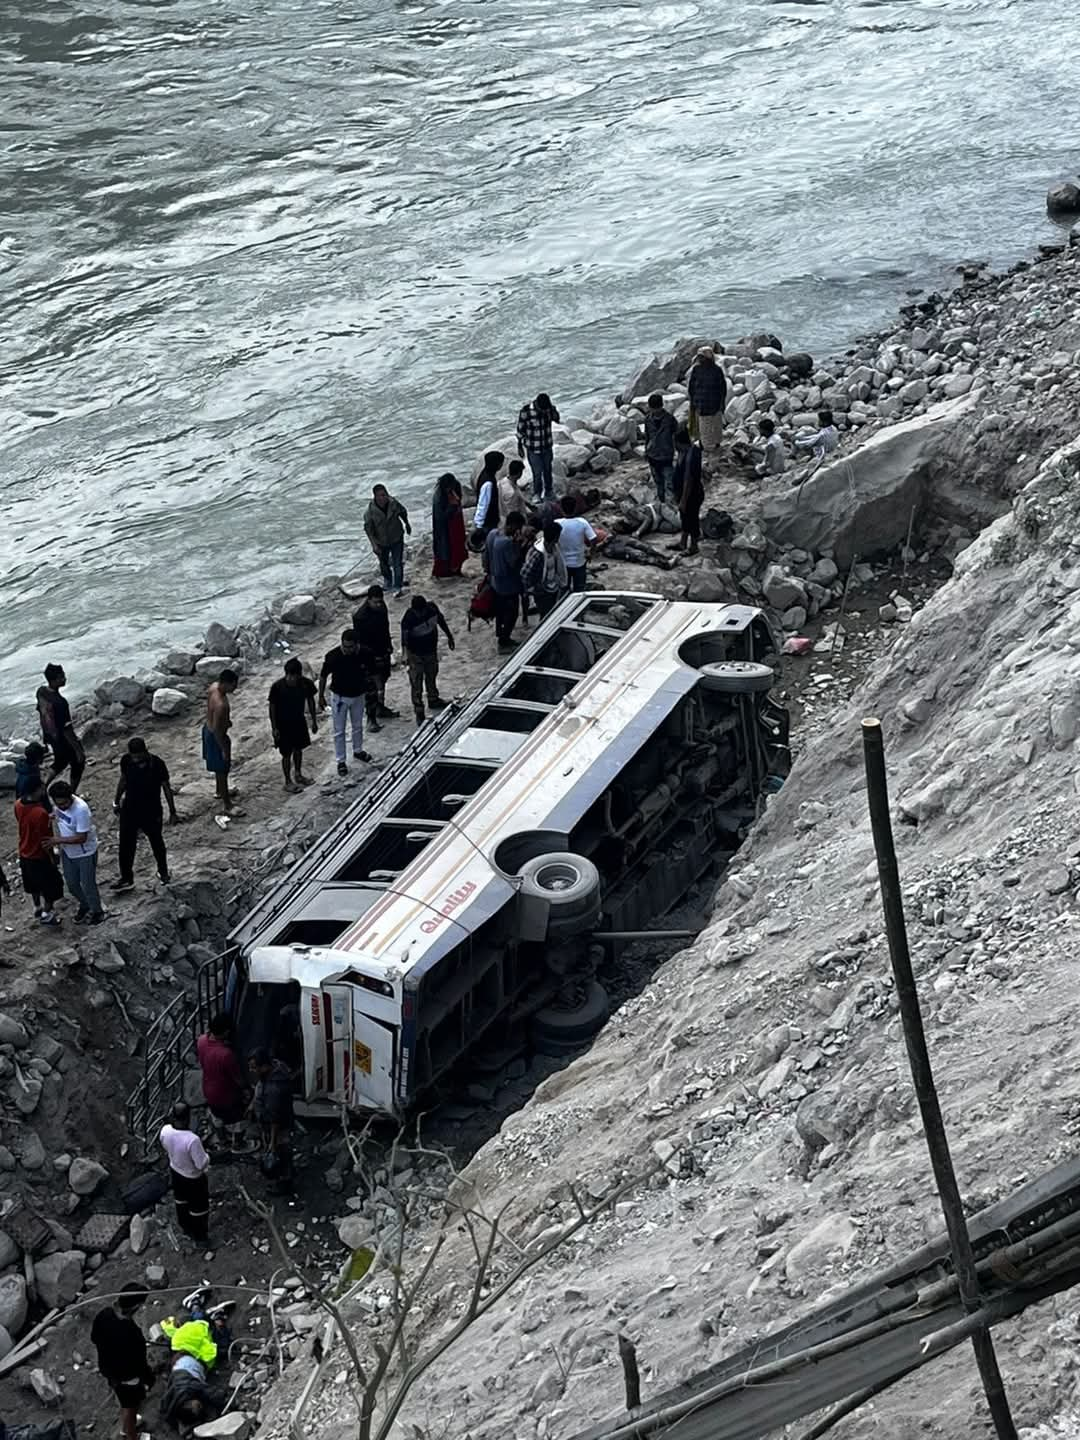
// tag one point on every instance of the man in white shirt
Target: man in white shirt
(189, 1167)
(576, 537)
(77, 840)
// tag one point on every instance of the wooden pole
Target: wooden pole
(937, 1142)
(631, 1377)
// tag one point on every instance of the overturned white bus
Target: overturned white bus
(622, 750)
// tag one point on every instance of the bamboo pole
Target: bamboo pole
(922, 1075)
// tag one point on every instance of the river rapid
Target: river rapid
(255, 259)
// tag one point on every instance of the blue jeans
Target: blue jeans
(540, 465)
(663, 474)
(392, 564)
(346, 710)
(80, 877)
(576, 574)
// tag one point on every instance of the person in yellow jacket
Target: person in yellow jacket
(193, 1337)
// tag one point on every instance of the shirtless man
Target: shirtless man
(216, 744)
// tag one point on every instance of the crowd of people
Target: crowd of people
(533, 548)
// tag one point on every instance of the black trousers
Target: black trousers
(506, 614)
(192, 1204)
(150, 825)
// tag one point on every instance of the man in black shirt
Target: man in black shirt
(144, 779)
(121, 1353)
(350, 669)
(420, 626)
(292, 702)
(371, 627)
(56, 728)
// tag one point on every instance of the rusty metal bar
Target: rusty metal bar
(922, 1075)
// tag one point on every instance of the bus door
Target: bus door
(337, 1001)
(374, 1050)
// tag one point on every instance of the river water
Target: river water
(255, 258)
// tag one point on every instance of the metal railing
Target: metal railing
(169, 1052)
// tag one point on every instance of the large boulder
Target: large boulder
(58, 1278)
(862, 503)
(299, 610)
(782, 590)
(9, 1252)
(168, 701)
(605, 460)
(507, 444)
(621, 430)
(85, 1175)
(220, 639)
(13, 1304)
(1063, 198)
(573, 457)
(211, 666)
(12, 1032)
(180, 662)
(125, 690)
(660, 371)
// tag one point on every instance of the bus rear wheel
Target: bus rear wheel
(559, 1029)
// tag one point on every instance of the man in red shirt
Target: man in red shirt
(222, 1076)
(37, 863)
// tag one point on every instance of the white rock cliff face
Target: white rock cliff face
(770, 1052)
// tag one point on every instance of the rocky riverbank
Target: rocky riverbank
(849, 558)
(766, 1058)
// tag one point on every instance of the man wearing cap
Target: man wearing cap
(707, 387)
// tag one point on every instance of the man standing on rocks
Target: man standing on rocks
(56, 728)
(350, 673)
(371, 626)
(144, 780)
(289, 699)
(707, 387)
(76, 838)
(576, 538)
(121, 1355)
(503, 560)
(535, 442)
(660, 446)
(386, 524)
(420, 626)
(189, 1171)
(691, 491)
(216, 741)
(37, 860)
